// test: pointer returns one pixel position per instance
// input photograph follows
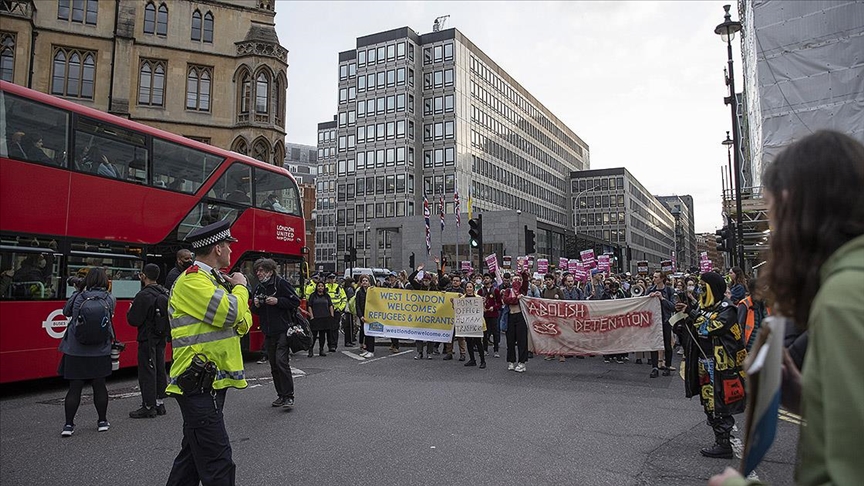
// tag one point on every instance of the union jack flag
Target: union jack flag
(426, 215)
(456, 208)
(441, 210)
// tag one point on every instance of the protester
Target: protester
(149, 313)
(423, 282)
(474, 343)
(491, 312)
(82, 363)
(752, 310)
(348, 316)
(365, 283)
(276, 303)
(667, 307)
(455, 286)
(737, 284)
(517, 329)
(815, 275)
(184, 261)
(320, 307)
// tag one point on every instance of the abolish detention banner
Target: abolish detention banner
(410, 314)
(577, 327)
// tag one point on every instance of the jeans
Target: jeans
(205, 453)
(517, 334)
(429, 346)
(152, 378)
(278, 354)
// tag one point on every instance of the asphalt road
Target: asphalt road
(393, 420)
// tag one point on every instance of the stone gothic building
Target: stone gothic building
(210, 70)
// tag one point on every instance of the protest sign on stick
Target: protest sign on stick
(468, 312)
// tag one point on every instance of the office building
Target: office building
(302, 161)
(681, 208)
(611, 205)
(213, 71)
(433, 115)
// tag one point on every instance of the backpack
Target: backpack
(161, 322)
(93, 322)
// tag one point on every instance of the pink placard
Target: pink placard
(580, 274)
(588, 258)
(603, 263)
(542, 266)
(572, 265)
(562, 264)
(492, 262)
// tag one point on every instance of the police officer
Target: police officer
(340, 300)
(209, 313)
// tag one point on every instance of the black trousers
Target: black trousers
(667, 346)
(517, 335)
(205, 453)
(492, 334)
(333, 332)
(475, 343)
(348, 327)
(278, 355)
(152, 378)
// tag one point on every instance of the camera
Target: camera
(75, 281)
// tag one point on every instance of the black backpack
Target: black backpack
(93, 322)
(161, 321)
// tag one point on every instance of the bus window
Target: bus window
(110, 151)
(29, 268)
(203, 214)
(181, 168)
(276, 192)
(235, 185)
(122, 263)
(32, 131)
(285, 268)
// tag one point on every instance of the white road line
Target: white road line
(385, 357)
(352, 355)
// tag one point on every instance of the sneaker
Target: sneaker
(332, 350)
(607, 360)
(310, 353)
(496, 355)
(511, 366)
(530, 354)
(462, 358)
(654, 373)
(263, 360)
(68, 430)
(520, 368)
(448, 357)
(394, 350)
(278, 402)
(471, 363)
(482, 365)
(143, 412)
(160, 409)
(666, 372)
(419, 356)
(289, 403)
(103, 426)
(322, 353)
(681, 352)
(548, 358)
(370, 355)
(428, 356)
(619, 360)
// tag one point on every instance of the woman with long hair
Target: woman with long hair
(737, 284)
(814, 274)
(368, 341)
(321, 312)
(82, 363)
(474, 343)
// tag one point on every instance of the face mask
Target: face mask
(42, 262)
(267, 278)
(691, 288)
(478, 282)
(186, 265)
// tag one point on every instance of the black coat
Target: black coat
(275, 319)
(142, 311)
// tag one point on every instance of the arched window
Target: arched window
(151, 83)
(198, 88)
(162, 20)
(208, 28)
(74, 73)
(196, 25)
(149, 18)
(7, 56)
(245, 92)
(260, 150)
(279, 102)
(278, 154)
(262, 93)
(240, 146)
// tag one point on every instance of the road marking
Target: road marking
(385, 357)
(352, 355)
(789, 417)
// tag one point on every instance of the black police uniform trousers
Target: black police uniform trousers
(152, 377)
(205, 455)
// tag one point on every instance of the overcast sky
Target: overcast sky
(641, 83)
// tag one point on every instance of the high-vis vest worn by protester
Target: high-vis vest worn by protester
(207, 319)
(337, 295)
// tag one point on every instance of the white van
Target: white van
(380, 274)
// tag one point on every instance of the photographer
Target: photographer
(667, 307)
(147, 314)
(275, 302)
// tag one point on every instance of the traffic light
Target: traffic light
(724, 239)
(530, 241)
(352, 254)
(411, 261)
(475, 232)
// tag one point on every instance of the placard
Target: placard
(468, 317)
(588, 258)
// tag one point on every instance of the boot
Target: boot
(721, 449)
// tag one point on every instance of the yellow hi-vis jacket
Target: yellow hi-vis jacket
(207, 319)
(309, 289)
(337, 296)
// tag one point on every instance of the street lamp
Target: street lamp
(727, 31)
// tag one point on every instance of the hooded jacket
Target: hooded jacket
(276, 319)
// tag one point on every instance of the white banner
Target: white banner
(468, 316)
(579, 327)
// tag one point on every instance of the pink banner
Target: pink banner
(562, 327)
(542, 266)
(588, 258)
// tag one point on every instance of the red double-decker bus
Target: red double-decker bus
(81, 188)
